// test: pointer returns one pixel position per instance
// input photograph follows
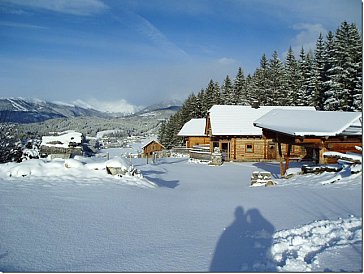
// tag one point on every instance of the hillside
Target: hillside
(88, 121)
(20, 110)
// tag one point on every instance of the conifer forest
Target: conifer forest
(328, 78)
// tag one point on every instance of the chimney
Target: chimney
(255, 104)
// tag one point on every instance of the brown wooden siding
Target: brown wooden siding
(152, 147)
(194, 141)
(252, 148)
(343, 147)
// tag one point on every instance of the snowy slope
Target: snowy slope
(21, 110)
(24, 110)
(198, 218)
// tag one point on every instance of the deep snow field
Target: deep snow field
(178, 216)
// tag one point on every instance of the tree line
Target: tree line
(328, 78)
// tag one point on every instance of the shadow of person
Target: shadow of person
(244, 245)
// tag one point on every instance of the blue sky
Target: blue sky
(140, 52)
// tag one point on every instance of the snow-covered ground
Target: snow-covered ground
(178, 216)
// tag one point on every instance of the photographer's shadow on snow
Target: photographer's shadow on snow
(245, 244)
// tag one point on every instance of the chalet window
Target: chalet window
(249, 148)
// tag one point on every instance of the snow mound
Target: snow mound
(71, 170)
(25, 168)
(118, 162)
(72, 163)
(296, 250)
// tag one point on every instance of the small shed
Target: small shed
(152, 146)
(194, 133)
(320, 131)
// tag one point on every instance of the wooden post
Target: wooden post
(287, 157)
(280, 159)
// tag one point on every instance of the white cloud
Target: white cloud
(148, 30)
(75, 7)
(226, 61)
(21, 25)
(121, 105)
(307, 36)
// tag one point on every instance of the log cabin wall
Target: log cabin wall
(338, 146)
(152, 147)
(196, 140)
(251, 149)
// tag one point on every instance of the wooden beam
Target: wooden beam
(287, 157)
(280, 159)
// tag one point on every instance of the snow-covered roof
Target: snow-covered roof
(312, 123)
(62, 140)
(238, 120)
(155, 141)
(194, 127)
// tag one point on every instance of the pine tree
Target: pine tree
(260, 83)
(217, 94)
(344, 66)
(356, 54)
(240, 90)
(344, 73)
(319, 73)
(277, 94)
(330, 101)
(250, 90)
(201, 98)
(292, 78)
(162, 133)
(228, 92)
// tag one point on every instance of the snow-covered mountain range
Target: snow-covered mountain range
(22, 110)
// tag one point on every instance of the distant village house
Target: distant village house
(151, 147)
(62, 145)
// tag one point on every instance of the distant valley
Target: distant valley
(37, 117)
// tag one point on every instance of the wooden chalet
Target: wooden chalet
(193, 133)
(231, 129)
(151, 147)
(319, 131)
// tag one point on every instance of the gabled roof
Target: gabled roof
(238, 120)
(194, 127)
(155, 141)
(312, 123)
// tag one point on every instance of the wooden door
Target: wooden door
(225, 150)
(272, 151)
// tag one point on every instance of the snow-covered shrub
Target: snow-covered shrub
(31, 150)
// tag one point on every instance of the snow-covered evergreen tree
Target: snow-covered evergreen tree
(260, 83)
(344, 69)
(227, 91)
(277, 92)
(240, 90)
(319, 73)
(292, 78)
(330, 101)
